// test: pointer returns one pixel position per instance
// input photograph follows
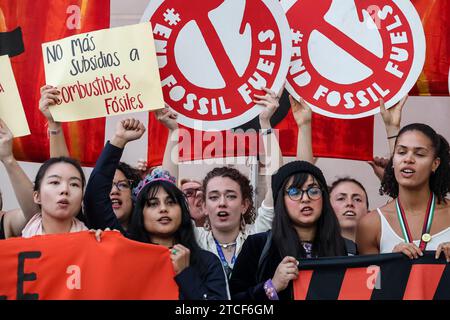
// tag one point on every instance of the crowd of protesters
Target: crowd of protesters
(222, 246)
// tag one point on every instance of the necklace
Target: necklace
(426, 237)
(226, 245)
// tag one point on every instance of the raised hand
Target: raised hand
(6, 142)
(167, 117)
(50, 96)
(271, 102)
(378, 165)
(301, 110)
(127, 130)
(392, 116)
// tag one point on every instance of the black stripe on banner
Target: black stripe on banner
(326, 284)
(394, 277)
(11, 43)
(443, 289)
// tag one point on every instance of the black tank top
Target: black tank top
(2, 228)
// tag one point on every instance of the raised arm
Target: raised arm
(274, 157)
(303, 115)
(392, 118)
(169, 119)
(49, 97)
(97, 201)
(23, 187)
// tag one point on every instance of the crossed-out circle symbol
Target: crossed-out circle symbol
(349, 54)
(215, 55)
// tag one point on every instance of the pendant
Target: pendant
(426, 237)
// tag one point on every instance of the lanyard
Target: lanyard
(227, 266)
(426, 237)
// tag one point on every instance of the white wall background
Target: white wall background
(434, 111)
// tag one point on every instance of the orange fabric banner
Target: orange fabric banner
(75, 266)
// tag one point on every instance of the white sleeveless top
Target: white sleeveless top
(389, 239)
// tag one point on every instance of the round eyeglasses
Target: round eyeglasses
(122, 184)
(191, 192)
(296, 194)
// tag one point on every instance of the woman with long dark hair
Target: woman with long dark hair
(161, 217)
(417, 177)
(304, 226)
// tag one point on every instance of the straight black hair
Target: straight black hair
(47, 164)
(185, 233)
(327, 242)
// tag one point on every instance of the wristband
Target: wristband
(391, 137)
(267, 131)
(53, 132)
(271, 293)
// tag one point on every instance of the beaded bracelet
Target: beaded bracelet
(271, 293)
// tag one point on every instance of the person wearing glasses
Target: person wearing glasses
(305, 226)
(193, 191)
(108, 200)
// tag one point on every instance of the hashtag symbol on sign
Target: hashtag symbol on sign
(171, 17)
(297, 36)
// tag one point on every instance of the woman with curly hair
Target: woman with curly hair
(228, 197)
(417, 177)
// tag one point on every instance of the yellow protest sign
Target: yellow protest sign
(104, 73)
(11, 109)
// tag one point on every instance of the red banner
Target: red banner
(377, 277)
(43, 21)
(75, 266)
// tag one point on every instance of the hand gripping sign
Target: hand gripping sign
(348, 54)
(215, 55)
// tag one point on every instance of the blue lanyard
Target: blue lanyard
(222, 256)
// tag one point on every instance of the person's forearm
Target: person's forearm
(170, 160)
(23, 187)
(273, 157)
(392, 132)
(304, 143)
(58, 145)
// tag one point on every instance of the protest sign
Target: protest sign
(104, 73)
(11, 109)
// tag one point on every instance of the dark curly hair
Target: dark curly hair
(130, 173)
(439, 181)
(244, 183)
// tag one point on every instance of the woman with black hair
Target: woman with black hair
(161, 217)
(304, 226)
(107, 202)
(418, 178)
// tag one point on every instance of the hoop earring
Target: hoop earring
(207, 224)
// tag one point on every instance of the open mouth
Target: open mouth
(407, 172)
(349, 214)
(307, 210)
(116, 203)
(223, 214)
(164, 220)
